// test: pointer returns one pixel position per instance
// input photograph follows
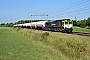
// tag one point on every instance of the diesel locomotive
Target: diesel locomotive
(64, 25)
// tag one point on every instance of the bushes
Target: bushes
(44, 35)
(88, 28)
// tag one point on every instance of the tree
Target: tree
(21, 22)
(81, 23)
(88, 21)
(2, 24)
(74, 23)
(10, 24)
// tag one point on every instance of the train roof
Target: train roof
(62, 19)
(59, 20)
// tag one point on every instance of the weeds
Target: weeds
(74, 48)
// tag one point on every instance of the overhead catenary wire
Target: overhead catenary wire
(70, 6)
(77, 11)
(73, 14)
(81, 9)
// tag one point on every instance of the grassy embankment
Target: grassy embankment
(15, 46)
(73, 47)
(26, 44)
(79, 29)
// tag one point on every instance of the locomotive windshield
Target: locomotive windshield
(70, 22)
(66, 22)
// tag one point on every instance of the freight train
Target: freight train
(63, 25)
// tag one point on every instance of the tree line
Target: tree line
(19, 22)
(82, 23)
(79, 23)
(7, 24)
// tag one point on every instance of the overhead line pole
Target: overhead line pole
(37, 15)
(31, 22)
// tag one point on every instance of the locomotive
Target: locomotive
(63, 25)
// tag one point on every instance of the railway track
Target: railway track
(73, 33)
(80, 33)
(77, 33)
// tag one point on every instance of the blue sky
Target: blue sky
(15, 10)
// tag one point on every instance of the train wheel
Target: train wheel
(63, 31)
(69, 31)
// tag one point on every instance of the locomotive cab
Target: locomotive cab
(67, 24)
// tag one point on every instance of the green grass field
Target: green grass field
(79, 29)
(15, 46)
(26, 44)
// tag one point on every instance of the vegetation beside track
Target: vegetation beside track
(79, 29)
(72, 47)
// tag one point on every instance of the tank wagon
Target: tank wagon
(64, 25)
(41, 24)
